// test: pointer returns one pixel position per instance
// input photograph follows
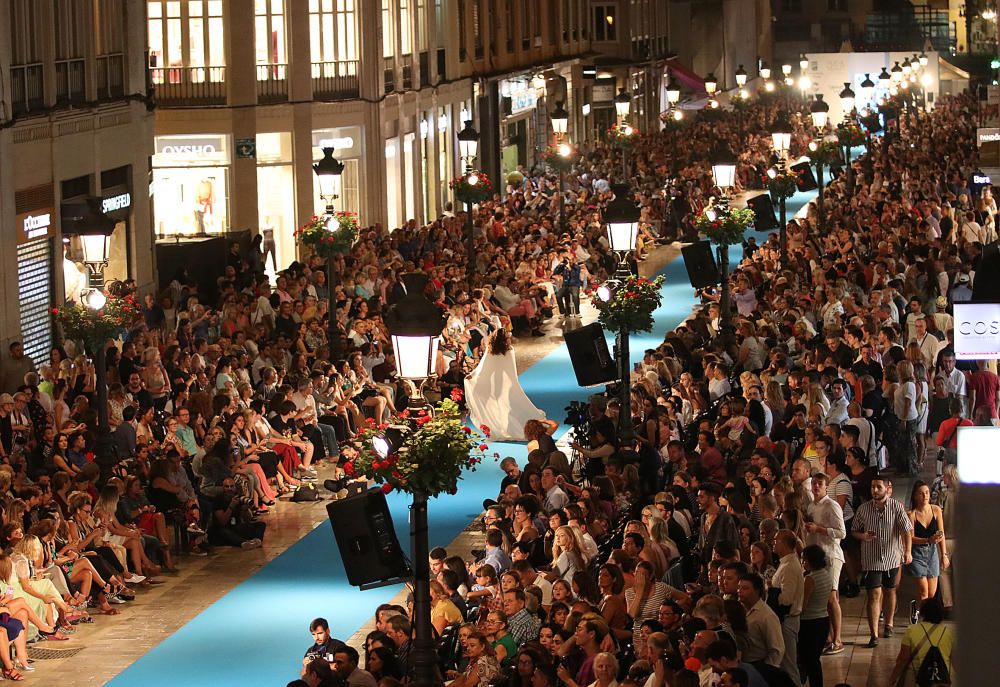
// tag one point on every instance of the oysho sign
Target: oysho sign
(114, 203)
(977, 331)
(190, 146)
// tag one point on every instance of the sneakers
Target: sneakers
(193, 528)
(832, 649)
(914, 615)
(114, 599)
(134, 579)
(251, 544)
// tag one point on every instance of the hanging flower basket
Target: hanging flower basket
(632, 304)
(329, 238)
(622, 135)
(94, 327)
(432, 457)
(727, 228)
(782, 186)
(851, 135)
(553, 156)
(472, 193)
(826, 153)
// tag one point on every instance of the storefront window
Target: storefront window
(404, 27)
(392, 186)
(190, 185)
(410, 196)
(388, 42)
(276, 199)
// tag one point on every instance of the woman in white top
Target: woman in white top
(905, 401)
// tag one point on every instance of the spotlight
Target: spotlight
(606, 291)
(565, 150)
(390, 440)
(712, 214)
(332, 223)
(473, 179)
(769, 86)
(813, 146)
(678, 115)
(96, 299)
(772, 173)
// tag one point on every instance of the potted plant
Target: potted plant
(560, 156)
(94, 327)
(631, 306)
(435, 447)
(783, 185)
(622, 135)
(329, 235)
(472, 187)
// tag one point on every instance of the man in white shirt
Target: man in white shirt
(929, 344)
(719, 385)
(826, 529)
(954, 381)
(530, 577)
(790, 579)
(837, 414)
(555, 497)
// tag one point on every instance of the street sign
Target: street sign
(246, 148)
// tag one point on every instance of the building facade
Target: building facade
(75, 144)
(249, 93)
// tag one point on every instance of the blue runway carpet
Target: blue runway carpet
(256, 634)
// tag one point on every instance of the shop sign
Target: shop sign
(602, 93)
(987, 135)
(189, 146)
(34, 225)
(977, 331)
(521, 101)
(111, 204)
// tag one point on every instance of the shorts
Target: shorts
(878, 579)
(835, 567)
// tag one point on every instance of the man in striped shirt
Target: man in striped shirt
(884, 530)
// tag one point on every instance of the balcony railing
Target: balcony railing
(189, 85)
(335, 80)
(110, 76)
(71, 81)
(272, 84)
(27, 88)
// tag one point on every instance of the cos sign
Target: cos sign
(977, 331)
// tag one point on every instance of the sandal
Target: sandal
(109, 611)
(54, 636)
(12, 674)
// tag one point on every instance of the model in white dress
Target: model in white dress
(494, 395)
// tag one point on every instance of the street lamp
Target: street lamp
(415, 324)
(724, 169)
(468, 147)
(711, 84)
(765, 71)
(560, 122)
(906, 67)
(819, 111)
(896, 73)
(847, 97)
(621, 216)
(867, 89)
(786, 69)
(803, 62)
(741, 76)
(673, 93)
(923, 59)
(781, 139)
(623, 102)
(328, 173)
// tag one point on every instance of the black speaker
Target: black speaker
(367, 540)
(987, 286)
(700, 264)
(807, 180)
(763, 210)
(588, 351)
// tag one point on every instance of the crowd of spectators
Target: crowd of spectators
(712, 546)
(715, 545)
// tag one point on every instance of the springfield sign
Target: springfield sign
(977, 331)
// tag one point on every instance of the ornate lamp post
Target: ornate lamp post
(781, 140)
(96, 244)
(623, 103)
(741, 76)
(328, 172)
(468, 148)
(560, 126)
(621, 216)
(724, 174)
(819, 111)
(847, 99)
(415, 324)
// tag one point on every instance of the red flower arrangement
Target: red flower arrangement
(329, 236)
(472, 188)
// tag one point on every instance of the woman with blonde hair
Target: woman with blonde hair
(39, 593)
(659, 535)
(567, 555)
(105, 511)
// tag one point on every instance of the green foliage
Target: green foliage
(472, 193)
(327, 243)
(94, 327)
(438, 448)
(728, 227)
(631, 306)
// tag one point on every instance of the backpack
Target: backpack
(933, 670)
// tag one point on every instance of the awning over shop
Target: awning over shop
(685, 76)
